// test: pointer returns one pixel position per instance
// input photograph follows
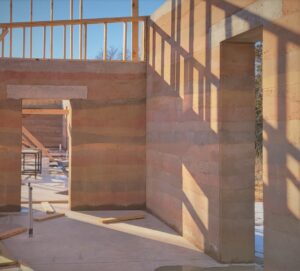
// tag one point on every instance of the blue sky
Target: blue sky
(91, 9)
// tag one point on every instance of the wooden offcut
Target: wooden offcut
(47, 207)
(121, 218)
(10, 233)
(40, 201)
(7, 262)
(47, 111)
(48, 217)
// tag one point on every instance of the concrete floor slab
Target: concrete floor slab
(194, 268)
(80, 242)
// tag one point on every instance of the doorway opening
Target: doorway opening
(45, 153)
(241, 148)
(259, 210)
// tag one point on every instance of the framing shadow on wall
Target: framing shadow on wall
(200, 129)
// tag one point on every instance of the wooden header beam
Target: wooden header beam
(45, 111)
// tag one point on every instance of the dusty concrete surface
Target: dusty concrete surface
(80, 242)
(193, 268)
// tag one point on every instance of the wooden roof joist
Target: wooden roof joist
(45, 111)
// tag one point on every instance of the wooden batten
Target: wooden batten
(65, 41)
(12, 232)
(105, 42)
(3, 34)
(135, 31)
(31, 17)
(44, 42)
(51, 29)
(48, 217)
(24, 42)
(10, 32)
(122, 218)
(71, 28)
(45, 111)
(74, 22)
(125, 41)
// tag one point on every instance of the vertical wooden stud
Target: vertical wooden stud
(31, 17)
(105, 42)
(135, 30)
(80, 28)
(65, 41)
(3, 45)
(142, 40)
(24, 41)
(44, 41)
(71, 28)
(124, 41)
(51, 29)
(85, 40)
(10, 20)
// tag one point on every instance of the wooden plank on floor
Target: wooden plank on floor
(47, 217)
(122, 218)
(32, 111)
(12, 232)
(47, 207)
(7, 262)
(50, 201)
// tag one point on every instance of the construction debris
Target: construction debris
(9, 233)
(47, 207)
(47, 217)
(121, 218)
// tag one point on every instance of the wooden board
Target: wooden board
(47, 217)
(135, 31)
(3, 34)
(121, 218)
(7, 262)
(12, 232)
(47, 207)
(73, 22)
(40, 201)
(45, 111)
